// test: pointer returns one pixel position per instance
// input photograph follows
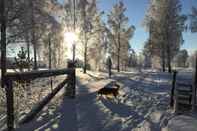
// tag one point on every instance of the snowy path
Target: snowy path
(143, 104)
(80, 114)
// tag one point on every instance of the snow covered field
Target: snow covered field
(143, 105)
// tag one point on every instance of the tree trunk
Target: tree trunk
(73, 46)
(85, 55)
(85, 40)
(33, 36)
(35, 51)
(3, 41)
(28, 51)
(125, 66)
(50, 65)
(49, 53)
(163, 59)
(169, 58)
(168, 51)
(118, 59)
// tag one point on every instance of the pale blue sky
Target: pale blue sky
(136, 10)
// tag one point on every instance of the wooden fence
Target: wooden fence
(26, 76)
(185, 96)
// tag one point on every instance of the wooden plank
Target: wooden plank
(37, 74)
(36, 109)
(185, 102)
(183, 92)
(184, 85)
(181, 96)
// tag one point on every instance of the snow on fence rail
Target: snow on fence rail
(25, 76)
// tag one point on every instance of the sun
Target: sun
(70, 40)
(70, 37)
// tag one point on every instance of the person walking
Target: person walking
(109, 66)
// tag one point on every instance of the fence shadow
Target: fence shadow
(54, 118)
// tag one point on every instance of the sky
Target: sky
(136, 10)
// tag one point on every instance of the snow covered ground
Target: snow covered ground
(186, 122)
(143, 105)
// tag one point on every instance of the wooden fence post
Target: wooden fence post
(173, 88)
(73, 83)
(10, 104)
(70, 89)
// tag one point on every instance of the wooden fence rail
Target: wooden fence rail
(37, 74)
(42, 103)
(10, 77)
